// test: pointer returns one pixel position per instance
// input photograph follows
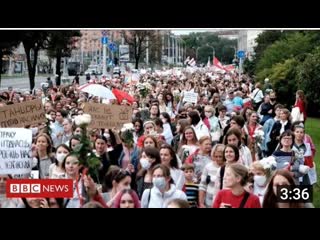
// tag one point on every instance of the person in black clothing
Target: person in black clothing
(149, 158)
(50, 83)
(101, 147)
(76, 79)
(278, 128)
(88, 77)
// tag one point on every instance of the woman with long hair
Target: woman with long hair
(138, 129)
(287, 158)
(281, 177)
(199, 127)
(301, 103)
(207, 187)
(188, 144)
(116, 179)
(56, 170)
(235, 196)
(169, 158)
(181, 125)
(233, 137)
(149, 157)
(84, 188)
(252, 128)
(43, 155)
(127, 198)
(278, 128)
(163, 189)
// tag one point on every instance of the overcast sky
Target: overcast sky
(184, 32)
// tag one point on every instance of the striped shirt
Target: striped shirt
(192, 190)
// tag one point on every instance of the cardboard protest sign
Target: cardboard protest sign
(22, 114)
(108, 116)
(15, 151)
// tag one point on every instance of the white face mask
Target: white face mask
(60, 157)
(260, 180)
(145, 164)
(208, 114)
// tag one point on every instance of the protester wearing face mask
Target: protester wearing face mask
(150, 157)
(163, 189)
(212, 122)
(55, 170)
(261, 171)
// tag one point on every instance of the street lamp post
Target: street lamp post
(197, 52)
(213, 51)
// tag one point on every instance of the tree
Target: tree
(249, 67)
(9, 41)
(61, 44)
(308, 80)
(223, 48)
(33, 41)
(137, 40)
(264, 40)
(283, 78)
(294, 45)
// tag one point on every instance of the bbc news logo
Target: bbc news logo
(39, 188)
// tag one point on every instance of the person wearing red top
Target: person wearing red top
(235, 178)
(301, 103)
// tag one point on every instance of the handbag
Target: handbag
(296, 115)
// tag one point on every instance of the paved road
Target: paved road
(23, 83)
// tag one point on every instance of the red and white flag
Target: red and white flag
(217, 63)
(229, 67)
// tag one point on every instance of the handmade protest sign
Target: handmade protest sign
(190, 97)
(15, 151)
(108, 116)
(22, 114)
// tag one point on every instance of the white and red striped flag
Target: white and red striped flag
(217, 63)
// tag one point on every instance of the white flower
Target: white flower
(77, 120)
(128, 126)
(269, 162)
(82, 119)
(258, 133)
(86, 118)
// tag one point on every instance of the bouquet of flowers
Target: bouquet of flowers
(87, 158)
(259, 137)
(269, 163)
(127, 134)
(144, 89)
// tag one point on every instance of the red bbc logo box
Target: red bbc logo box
(39, 188)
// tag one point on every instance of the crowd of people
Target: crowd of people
(229, 148)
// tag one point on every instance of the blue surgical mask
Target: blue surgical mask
(159, 182)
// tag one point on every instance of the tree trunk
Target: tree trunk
(58, 68)
(31, 78)
(137, 62)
